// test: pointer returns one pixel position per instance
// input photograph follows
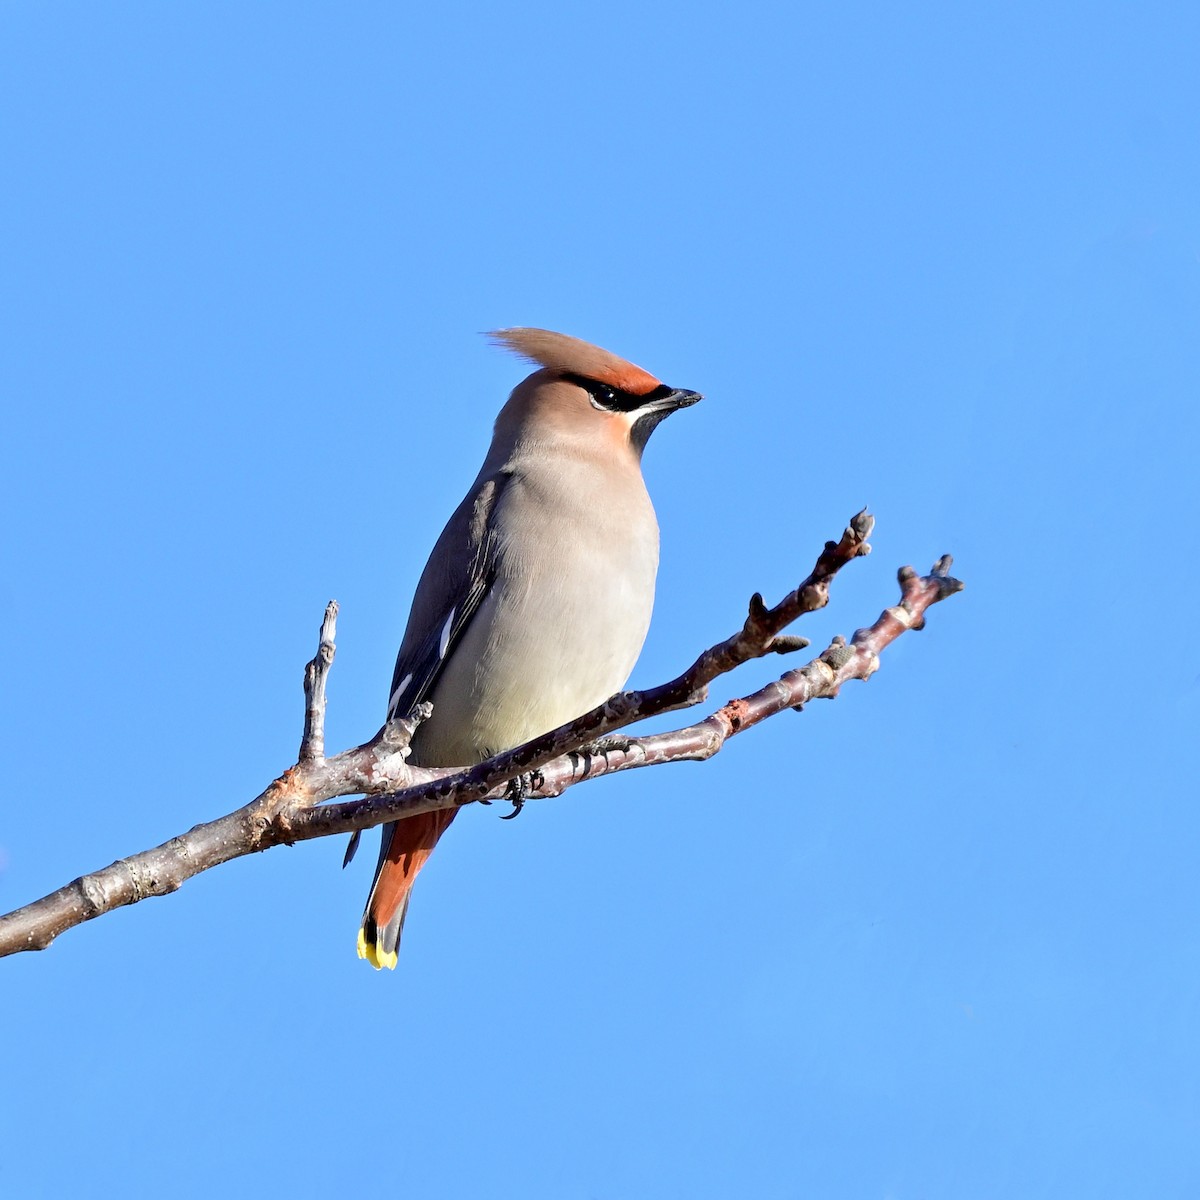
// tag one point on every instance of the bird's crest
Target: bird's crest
(560, 352)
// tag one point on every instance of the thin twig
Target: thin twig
(312, 744)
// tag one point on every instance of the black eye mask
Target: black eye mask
(605, 396)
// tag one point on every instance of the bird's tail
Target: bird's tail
(406, 846)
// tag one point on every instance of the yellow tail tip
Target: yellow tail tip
(370, 952)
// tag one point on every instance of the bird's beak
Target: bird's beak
(647, 417)
(677, 398)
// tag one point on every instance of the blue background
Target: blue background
(937, 939)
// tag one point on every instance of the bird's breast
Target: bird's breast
(560, 629)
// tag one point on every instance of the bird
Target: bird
(536, 598)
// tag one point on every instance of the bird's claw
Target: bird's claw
(613, 743)
(519, 789)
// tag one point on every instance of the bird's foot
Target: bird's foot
(519, 790)
(613, 744)
(602, 747)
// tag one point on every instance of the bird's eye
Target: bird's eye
(606, 397)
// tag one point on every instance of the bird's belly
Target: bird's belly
(539, 652)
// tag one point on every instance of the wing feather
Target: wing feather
(455, 582)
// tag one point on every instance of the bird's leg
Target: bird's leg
(519, 789)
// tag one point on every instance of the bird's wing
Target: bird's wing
(457, 578)
(455, 582)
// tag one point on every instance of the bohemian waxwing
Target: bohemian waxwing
(536, 599)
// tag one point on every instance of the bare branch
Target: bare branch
(822, 678)
(312, 744)
(293, 808)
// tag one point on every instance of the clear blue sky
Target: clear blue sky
(935, 940)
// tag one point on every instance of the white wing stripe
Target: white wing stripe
(394, 703)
